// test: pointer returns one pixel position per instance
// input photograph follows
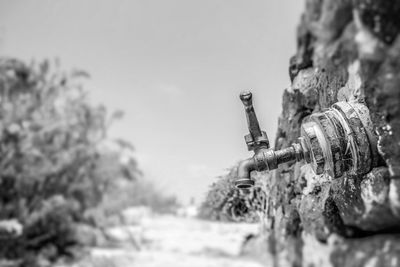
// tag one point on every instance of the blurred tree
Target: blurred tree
(55, 162)
(224, 202)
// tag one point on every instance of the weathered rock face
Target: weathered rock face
(347, 51)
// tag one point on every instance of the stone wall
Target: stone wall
(347, 51)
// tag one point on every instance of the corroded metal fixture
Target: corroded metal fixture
(337, 141)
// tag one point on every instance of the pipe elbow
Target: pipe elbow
(244, 169)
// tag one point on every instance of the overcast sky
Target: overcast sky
(175, 67)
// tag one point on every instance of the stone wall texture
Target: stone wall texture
(346, 51)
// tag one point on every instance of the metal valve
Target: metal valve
(336, 141)
(264, 158)
(256, 139)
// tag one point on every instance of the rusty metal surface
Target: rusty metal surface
(331, 147)
(317, 159)
(343, 137)
(358, 139)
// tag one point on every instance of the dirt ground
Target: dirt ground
(173, 241)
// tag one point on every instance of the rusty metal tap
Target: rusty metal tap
(264, 157)
(337, 141)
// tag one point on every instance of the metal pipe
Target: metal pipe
(244, 169)
(285, 155)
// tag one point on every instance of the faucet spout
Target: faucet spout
(267, 160)
(244, 169)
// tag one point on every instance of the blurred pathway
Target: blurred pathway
(168, 241)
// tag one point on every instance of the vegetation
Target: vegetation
(57, 165)
(226, 203)
(138, 193)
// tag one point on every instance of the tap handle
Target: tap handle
(256, 139)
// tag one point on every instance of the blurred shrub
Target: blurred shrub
(138, 193)
(224, 202)
(56, 165)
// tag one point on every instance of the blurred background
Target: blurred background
(109, 105)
